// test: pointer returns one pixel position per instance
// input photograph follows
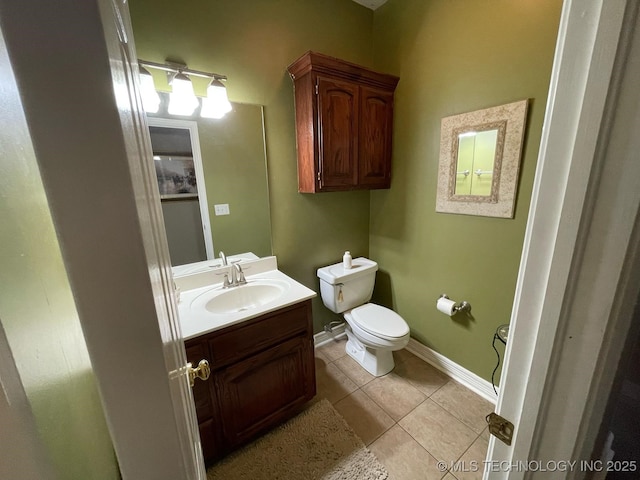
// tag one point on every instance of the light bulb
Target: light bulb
(216, 104)
(182, 100)
(150, 98)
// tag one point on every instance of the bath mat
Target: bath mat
(317, 444)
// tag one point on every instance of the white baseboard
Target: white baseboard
(323, 337)
(457, 372)
(460, 374)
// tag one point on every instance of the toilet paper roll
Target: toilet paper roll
(445, 305)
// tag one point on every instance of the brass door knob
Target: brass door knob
(202, 371)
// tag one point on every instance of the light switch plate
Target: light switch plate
(221, 209)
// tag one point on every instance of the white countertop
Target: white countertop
(207, 265)
(196, 321)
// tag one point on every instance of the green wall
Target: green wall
(455, 56)
(452, 56)
(252, 42)
(39, 316)
(234, 164)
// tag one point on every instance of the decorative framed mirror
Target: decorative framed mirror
(480, 159)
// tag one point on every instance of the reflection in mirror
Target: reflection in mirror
(480, 159)
(476, 156)
(178, 165)
(234, 180)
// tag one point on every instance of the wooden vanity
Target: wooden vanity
(262, 372)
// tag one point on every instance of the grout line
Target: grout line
(396, 422)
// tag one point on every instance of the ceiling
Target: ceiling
(372, 4)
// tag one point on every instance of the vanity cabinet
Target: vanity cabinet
(262, 371)
(344, 123)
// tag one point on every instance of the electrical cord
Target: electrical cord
(496, 336)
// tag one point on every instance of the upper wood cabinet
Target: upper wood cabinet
(344, 123)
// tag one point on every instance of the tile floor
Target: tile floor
(411, 418)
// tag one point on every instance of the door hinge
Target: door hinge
(316, 89)
(318, 176)
(500, 427)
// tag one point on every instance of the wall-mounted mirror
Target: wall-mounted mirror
(231, 191)
(480, 160)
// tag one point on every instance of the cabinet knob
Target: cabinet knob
(202, 371)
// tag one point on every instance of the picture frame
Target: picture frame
(176, 177)
(479, 164)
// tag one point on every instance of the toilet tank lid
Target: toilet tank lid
(336, 273)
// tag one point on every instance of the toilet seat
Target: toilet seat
(380, 321)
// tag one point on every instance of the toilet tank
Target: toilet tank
(343, 289)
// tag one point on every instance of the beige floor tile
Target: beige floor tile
(334, 349)
(403, 355)
(464, 404)
(320, 363)
(354, 370)
(332, 384)
(364, 415)
(319, 355)
(439, 432)
(421, 375)
(396, 396)
(403, 457)
(471, 464)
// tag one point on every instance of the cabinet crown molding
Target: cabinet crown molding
(335, 67)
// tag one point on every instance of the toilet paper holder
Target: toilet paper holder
(463, 306)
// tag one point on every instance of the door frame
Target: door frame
(199, 168)
(576, 284)
(547, 283)
(93, 149)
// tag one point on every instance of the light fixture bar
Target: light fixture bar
(176, 68)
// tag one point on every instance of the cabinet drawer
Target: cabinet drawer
(239, 341)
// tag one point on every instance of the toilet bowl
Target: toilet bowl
(373, 331)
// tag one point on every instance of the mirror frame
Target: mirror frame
(192, 127)
(510, 121)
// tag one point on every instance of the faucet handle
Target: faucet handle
(240, 276)
(226, 283)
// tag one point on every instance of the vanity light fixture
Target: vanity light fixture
(216, 103)
(182, 100)
(150, 98)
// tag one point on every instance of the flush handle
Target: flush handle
(202, 371)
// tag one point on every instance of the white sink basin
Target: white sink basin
(255, 294)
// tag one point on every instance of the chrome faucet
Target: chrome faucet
(239, 276)
(235, 277)
(223, 257)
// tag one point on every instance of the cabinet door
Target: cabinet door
(376, 125)
(338, 134)
(260, 391)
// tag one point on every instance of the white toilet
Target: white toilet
(373, 331)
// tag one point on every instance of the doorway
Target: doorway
(178, 167)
